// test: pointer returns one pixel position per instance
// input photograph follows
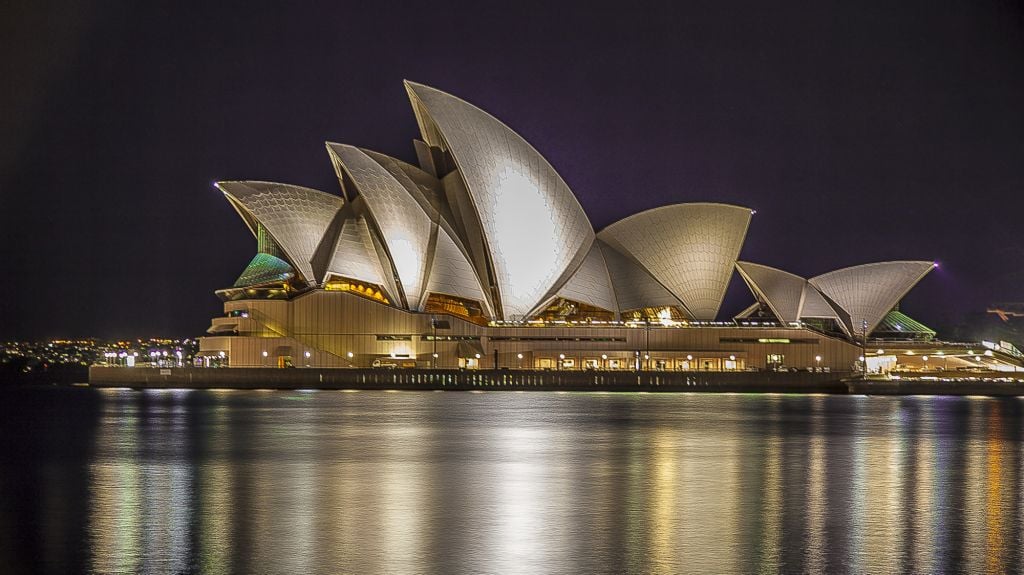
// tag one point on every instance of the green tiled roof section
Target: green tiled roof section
(899, 322)
(264, 268)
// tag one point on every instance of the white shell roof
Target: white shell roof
(532, 224)
(590, 283)
(295, 217)
(451, 273)
(781, 290)
(404, 227)
(633, 286)
(814, 305)
(690, 249)
(789, 296)
(354, 255)
(867, 292)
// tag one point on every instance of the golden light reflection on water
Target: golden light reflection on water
(771, 507)
(214, 501)
(116, 510)
(925, 493)
(975, 498)
(999, 498)
(535, 483)
(817, 503)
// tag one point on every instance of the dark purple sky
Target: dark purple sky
(859, 131)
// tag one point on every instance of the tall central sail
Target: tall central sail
(534, 230)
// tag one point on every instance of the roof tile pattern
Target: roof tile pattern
(451, 273)
(404, 227)
(296, 217)
(782, 291)
(354, 255)
(867, 292)
(633, 286)
(591, 284)
(815, 306)
(690, 249)
(264, 268)
(532, 224)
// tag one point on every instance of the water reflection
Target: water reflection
(333, 482)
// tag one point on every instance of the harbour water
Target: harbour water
(175, 481)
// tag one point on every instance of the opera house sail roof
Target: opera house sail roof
(486, 228)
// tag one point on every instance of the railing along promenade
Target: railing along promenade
(466, 380)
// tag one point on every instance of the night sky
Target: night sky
(859, 131)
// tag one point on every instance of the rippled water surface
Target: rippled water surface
(429, 482)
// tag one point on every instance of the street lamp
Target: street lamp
(604, 360)
(561, 360)
(307, 358)
(864, 345)
(264, 359)
(519, 356)
(817, 363)
(647, 341)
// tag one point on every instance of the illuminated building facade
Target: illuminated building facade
(481, 256)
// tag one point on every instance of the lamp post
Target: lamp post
(817, 363)
(519, 357)
(307, 358)
(264, 354)
(647, 342)
(864, 346)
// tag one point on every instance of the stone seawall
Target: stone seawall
(918, 387)
(468, 380)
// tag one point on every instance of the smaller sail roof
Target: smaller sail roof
(590, 283)
(780, 290)
(295, 217)
(353, 254)
(633, 286)
(868, 292)
(690, 249)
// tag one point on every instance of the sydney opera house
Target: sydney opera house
(482, 257)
